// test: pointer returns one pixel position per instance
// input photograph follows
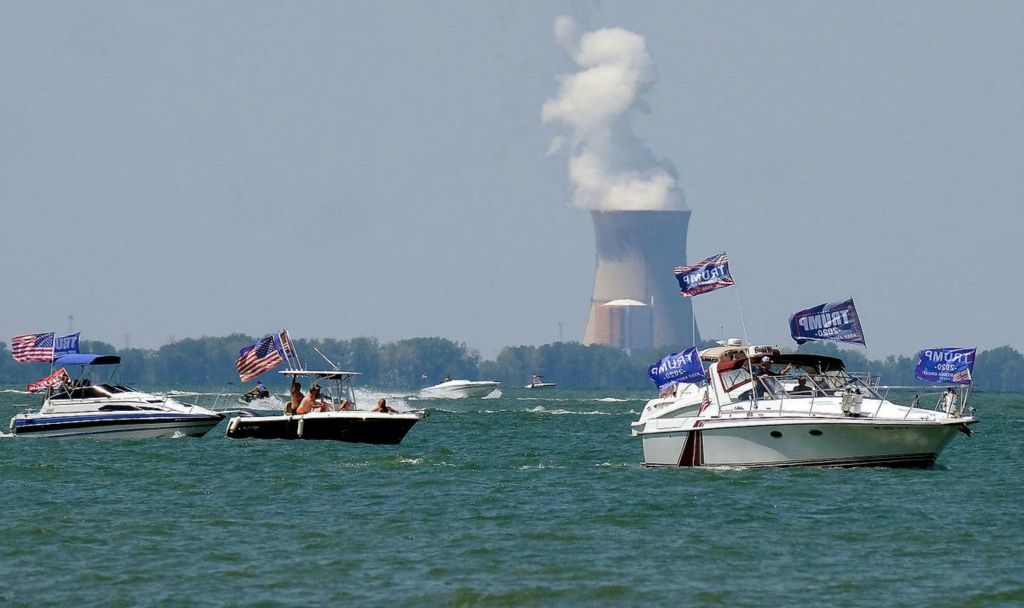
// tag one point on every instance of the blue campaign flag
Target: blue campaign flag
(66, 345)
(684, 366)
(835, 322)
(704, 276)
(955, 365)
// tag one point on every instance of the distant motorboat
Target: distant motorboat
(539, 382)
(460, 389)
(340, 422)
(819, 414)
(79, 408)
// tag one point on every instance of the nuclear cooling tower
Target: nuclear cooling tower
(637, 252)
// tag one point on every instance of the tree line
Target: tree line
(412, 363)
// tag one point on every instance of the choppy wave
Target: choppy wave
(540, 409)
(15, 391)
(613, 400)
(174, 393)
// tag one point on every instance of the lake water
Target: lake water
(527, 499)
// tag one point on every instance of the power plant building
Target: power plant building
(636, 303)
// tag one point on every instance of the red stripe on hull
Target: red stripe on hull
(693, 450)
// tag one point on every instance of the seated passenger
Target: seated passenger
(801, 388)
(382, 407)
(346, 406)
(312, 402)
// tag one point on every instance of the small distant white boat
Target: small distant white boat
(460, 389)
(539, 382)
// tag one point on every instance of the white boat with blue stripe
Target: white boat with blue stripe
(77, 408)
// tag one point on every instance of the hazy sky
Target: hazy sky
(173, 169)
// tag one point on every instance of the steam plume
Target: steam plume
(610, 169)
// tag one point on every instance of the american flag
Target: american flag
(287, 344)
(705, 403)
(257, 358)
(962, 376)
(32, 347)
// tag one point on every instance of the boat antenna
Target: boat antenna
(326, 359)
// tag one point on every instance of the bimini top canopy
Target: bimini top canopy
(87, 359)
(318, 374)
(820, 363)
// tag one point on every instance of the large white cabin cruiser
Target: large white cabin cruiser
(815, 414)
(341, 419)
(79, 408)
(460, 389)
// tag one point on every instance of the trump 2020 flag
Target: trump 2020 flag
(704, 276)
(954, 365)
(835, 322)
(684, 366)
(257, 358)
(58, 377)
(66, 345)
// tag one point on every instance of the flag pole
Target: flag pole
(739, 305)
(693, 324)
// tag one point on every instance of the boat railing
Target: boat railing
(951, 400)
(792, 397)
(851, 391)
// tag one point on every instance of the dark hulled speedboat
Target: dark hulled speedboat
(340, 422)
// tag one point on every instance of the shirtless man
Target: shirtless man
(382, 407)
(311, 402)
(296, 398)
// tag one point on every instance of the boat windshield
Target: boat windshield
(83, 389)
(801, 381)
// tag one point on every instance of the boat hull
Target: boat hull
(381, 429)
(128, 426)
(457, 390)
(837, 442)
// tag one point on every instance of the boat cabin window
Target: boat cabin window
(835, 382)
(119, 408)
(115, 388)
(80, 392)
(735, 378)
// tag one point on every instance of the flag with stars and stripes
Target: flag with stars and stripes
(262, 356)
(32, 347)
(705, 403)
